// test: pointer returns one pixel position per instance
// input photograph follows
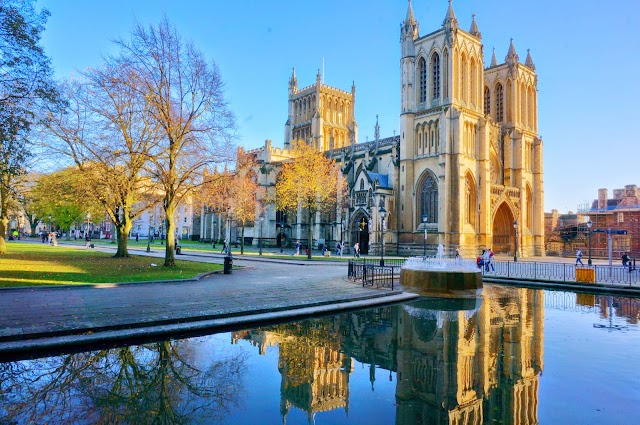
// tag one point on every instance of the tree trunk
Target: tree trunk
(4, 221)
(310, 235)
(169, 252)
(242, 240)
(33, 228)
(123, 237)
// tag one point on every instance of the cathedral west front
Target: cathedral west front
(464, 171)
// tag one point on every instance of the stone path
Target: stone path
(50, 317)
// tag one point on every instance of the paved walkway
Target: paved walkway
(51, 318)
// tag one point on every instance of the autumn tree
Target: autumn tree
(312, 182)
(60, 195)
(25, 85)
(186, 99)
(109, 133)
(243, 193)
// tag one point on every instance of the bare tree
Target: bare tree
(108, 132)
(186, 98)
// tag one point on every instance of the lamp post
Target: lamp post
(589, 224)
(149, 236)
(424, 245)
(341, 235)
(383, 215)
(515, 254)
(260, 240)
(50, 224)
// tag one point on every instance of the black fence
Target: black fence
(371, 273)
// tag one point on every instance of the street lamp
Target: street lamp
(260, 240)
(424, 245)
(589, 224)
(515, 254)
(383, 215)
(341, 235)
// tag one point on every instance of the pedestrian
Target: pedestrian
(224, 246)
(44, 236)
(481, 258)
(339, 249)
(491, 261)
(485, 259)
(356, 250)
(457, 252)
(625, 259)
(137, 237)
(87, 240)
(579, 257)
(297, 252)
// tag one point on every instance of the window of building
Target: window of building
(620, 217)
(470, 201)
(422, 72)
(499, 103)
(622, 243)
(487, 101)
(435, 75)
(429, 199)
(445, 74)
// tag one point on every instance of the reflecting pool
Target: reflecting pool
(508, 356)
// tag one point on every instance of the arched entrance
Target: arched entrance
(503, 232)
(360, 232)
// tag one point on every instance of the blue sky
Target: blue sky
(585, 52)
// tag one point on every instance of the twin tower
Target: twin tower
(467, 164)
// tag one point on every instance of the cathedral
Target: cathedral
(465, 170)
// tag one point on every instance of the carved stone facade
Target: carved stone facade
(467, 164)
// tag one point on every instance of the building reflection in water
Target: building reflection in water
(457, 361)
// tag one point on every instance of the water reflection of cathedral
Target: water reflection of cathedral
(462, 362)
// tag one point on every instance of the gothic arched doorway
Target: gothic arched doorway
(360, 232)
(503, 232)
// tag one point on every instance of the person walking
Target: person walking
(356, 250)
(493, 269)
(339, 249)
(579, 257)
(457, 252)
(625, 259)
(87, 240)
(485, 259)
(297, 253)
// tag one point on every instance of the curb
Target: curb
(13, 349)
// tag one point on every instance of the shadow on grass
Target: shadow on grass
(34, 265)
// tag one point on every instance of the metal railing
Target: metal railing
(562, 272)
(371, 273)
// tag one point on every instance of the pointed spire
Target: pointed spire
(318, 78)
(409, 28)
(474, 27)
(293, 81)
(529, 62)
(377, 130)
(410, 19)
(450, 18)
(494, 61)
(512, 56)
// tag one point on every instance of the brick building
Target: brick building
(621, 212)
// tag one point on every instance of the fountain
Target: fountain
(441, 273)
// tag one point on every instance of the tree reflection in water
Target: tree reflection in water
(153, 383)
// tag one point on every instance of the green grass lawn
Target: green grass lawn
(41, 264)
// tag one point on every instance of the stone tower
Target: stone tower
(470, 155)
(321, 115)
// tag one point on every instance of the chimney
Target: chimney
(602, 198)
